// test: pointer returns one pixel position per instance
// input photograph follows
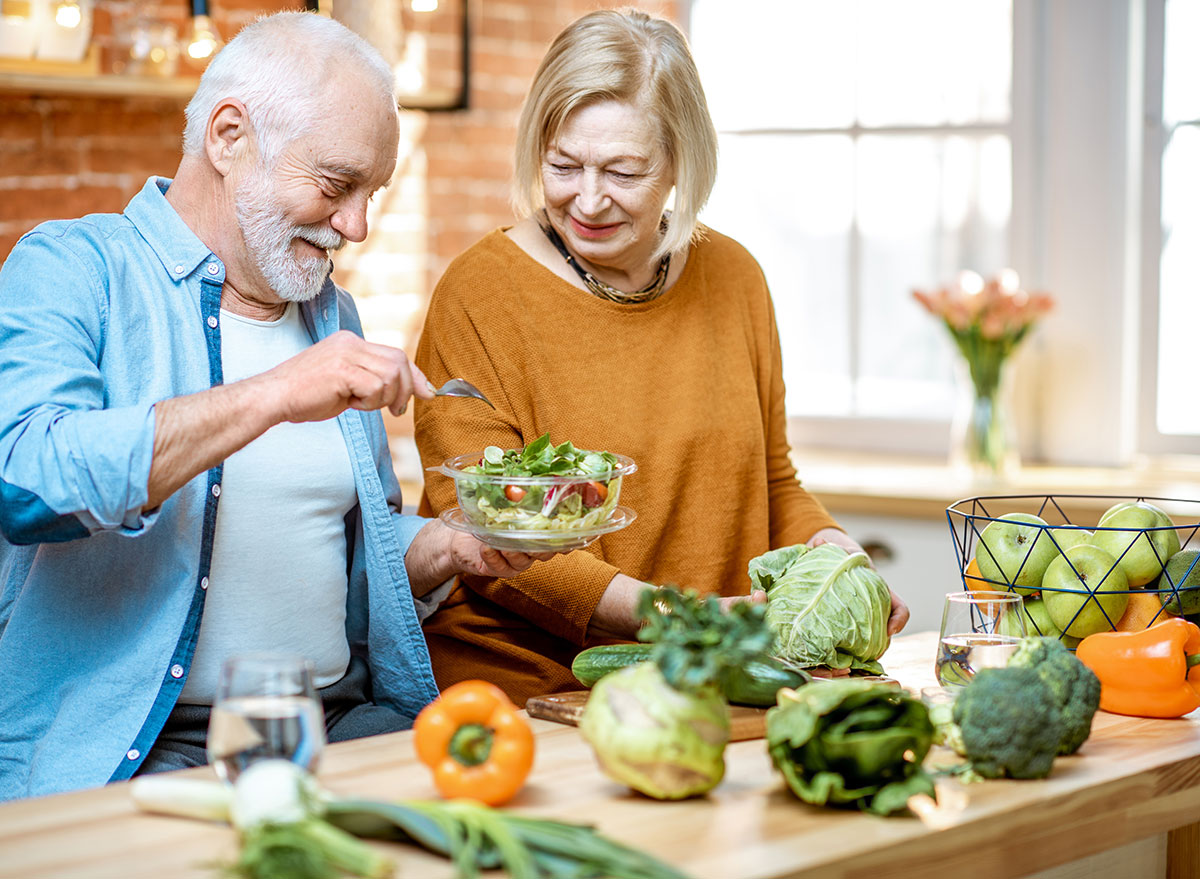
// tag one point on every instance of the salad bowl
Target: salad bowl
(539, 498)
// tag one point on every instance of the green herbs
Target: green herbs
(695, 640)
(826, 606)
(851, 743)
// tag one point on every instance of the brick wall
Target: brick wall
(67, 156)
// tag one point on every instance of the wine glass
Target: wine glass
(265, 707)
(979, 630)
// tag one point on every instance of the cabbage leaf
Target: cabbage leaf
(826, 606)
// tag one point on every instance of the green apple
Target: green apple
(1140, 552)
(1179, 586)
(1085, 591)
(1068, 537)
(1015, 549)
(1037, 623)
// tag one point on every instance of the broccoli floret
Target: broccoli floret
(1075, 687)
(1010, 723)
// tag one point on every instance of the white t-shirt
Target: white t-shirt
(278, 576)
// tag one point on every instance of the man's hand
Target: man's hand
(438, 553)
(342, 372)
(193, 433)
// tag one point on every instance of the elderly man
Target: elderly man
(192, 460)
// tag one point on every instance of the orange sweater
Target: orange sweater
(690, 386)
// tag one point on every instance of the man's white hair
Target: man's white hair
(277, 67)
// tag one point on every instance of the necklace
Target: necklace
(598, 288)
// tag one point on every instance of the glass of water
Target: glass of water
(265, 708)
(979, 630)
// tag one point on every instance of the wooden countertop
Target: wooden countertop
(1134, 778)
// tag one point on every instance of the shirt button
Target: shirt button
(177, 671)
(216, 491)
(179, 270)
(212, 268)
(212, 321)
(204, 582)
(133, 753)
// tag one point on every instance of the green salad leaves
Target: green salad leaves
(826, 606)
(540, 458)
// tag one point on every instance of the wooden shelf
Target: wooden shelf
(111, 85)
(107, 85)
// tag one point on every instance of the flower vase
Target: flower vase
(983, 440)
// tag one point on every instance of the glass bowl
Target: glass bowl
(536, 513)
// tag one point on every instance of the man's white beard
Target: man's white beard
(269, 237)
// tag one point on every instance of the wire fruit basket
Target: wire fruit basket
(1082, 563)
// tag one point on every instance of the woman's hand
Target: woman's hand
(898, 618)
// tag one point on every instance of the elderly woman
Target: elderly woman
(610, 322)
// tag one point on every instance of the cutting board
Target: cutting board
(744, 722)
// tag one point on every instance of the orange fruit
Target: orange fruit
(973, 579)
(1142, 608)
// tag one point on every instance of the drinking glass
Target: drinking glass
(265, 708)
(979, 630)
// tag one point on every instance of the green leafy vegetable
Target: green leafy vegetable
(825, 605)
(661, 726)
(851, 743)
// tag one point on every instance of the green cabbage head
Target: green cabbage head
(658, 740)
(825, 605)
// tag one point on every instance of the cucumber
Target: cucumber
(759, 680)
(754, 683)
(595, 662)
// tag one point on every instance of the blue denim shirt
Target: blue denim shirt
(100, 600)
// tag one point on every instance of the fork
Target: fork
(456, 387)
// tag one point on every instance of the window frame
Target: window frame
(1153, 143)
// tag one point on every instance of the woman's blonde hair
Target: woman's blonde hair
(625, 56)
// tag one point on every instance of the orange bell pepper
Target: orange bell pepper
(1154, 672)
(475, 742)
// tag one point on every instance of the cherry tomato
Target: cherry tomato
(514, 493)
(594, 494)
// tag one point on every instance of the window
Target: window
(1172, 156)
(874, 146)
(865, 151)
